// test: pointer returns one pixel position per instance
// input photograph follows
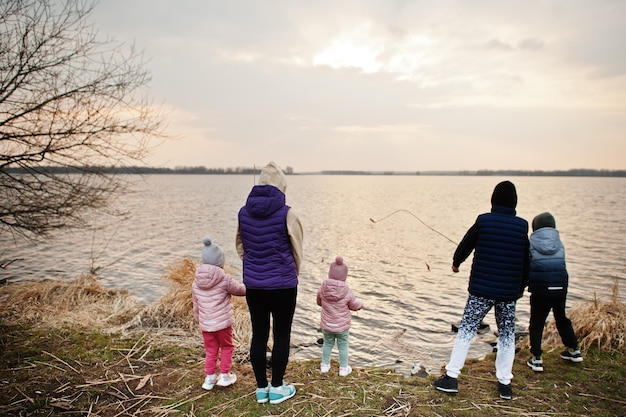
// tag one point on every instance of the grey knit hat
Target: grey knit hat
(211, 253)
(543, 220)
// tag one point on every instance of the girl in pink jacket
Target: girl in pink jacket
(212, 308)
(337, 302)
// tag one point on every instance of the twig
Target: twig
(62, 388)
(478, 377)
(110, 381)
(30, 366)
(117, 394)
(25, 396)
(126, 383)
(90, 408)
(5, 263)
(193, 399)
(148, 349)
(137, 405)
(226, 403)
(503, 407)
(602, 398)
(51, 366)
(420, 220)
(62, 361)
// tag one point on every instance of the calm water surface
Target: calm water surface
(397, 265)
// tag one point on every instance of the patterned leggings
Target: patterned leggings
(475, 311)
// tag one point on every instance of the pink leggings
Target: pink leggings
(213, 342)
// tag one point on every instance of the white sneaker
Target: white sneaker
(345, 371)
(209, 382)
(263, 394)
(324, 367)
(282, 393)
(226, 379)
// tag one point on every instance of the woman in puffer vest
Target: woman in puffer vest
(269, 241)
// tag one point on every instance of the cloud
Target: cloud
(498, 45)
(532, 44)
(384, 82)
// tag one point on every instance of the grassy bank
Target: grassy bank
(75, 348)
(79, 372)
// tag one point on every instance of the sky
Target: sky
(393, 85)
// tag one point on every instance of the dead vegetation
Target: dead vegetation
(85, 303)
(599, 323)
(76, 348)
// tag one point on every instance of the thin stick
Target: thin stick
(30, 400)
(420, 220)
(601, 398)
(62, 361)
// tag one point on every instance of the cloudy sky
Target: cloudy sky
(383, 85)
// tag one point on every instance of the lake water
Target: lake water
(397, 265)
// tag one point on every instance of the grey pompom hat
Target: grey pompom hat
(212, 254)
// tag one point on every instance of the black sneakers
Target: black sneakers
(572, 355)
(535, 363)
(505, 391)
(447, 384)
(450, 385)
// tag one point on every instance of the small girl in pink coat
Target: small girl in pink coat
(337, 302)
(212, 308)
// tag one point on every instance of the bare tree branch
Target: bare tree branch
(67, 100)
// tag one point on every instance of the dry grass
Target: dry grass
(77, 303)
(175, 308)
(84, 302)
(596, 323)
(110, 356)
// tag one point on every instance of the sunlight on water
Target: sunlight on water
(397, 265)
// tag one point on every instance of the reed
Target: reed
(175, 308)
(84, 302)
(152, 371)
(596, 323)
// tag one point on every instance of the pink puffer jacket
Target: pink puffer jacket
(211, 291)
(337, 300)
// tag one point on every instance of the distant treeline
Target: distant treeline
(513, 173)
(251, 171)
(133, 170)
(567, 173)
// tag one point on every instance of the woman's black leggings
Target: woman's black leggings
(280, 305)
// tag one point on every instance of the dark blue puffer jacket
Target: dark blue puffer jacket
(268, 261)
(548, 275)
(500, 243)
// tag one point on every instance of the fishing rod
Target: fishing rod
(420, 220)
